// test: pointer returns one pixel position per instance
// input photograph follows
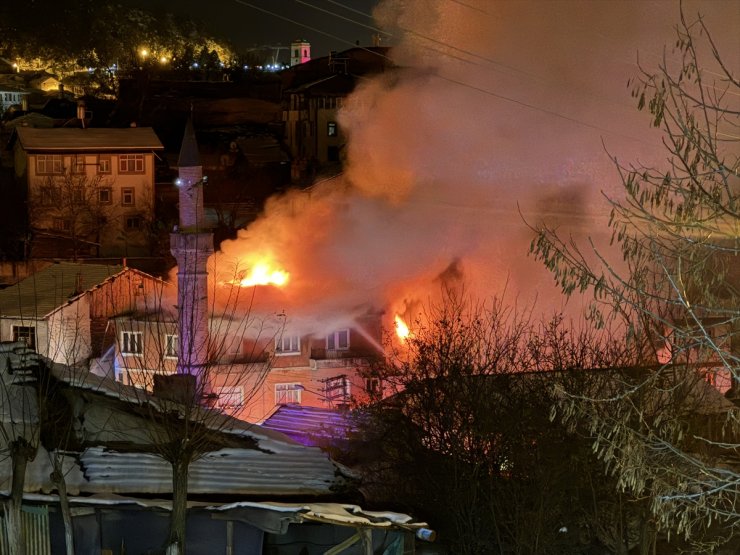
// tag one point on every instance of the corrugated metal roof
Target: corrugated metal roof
(308, 424)
(282, 468)
(75, 139)
(43, 292)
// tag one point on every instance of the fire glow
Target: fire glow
(262, 274)
(402, 330)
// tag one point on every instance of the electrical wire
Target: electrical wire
(482, 90)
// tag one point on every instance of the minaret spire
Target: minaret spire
(191, 244)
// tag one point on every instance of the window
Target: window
(105, 195)
(331, 129)
(78, 195)
(338, 341)
(78, 164)
(49, 164)
(131, 343)
(62, 224)
(133, 223)
(48, 196)
(286, 393)
(104, 163)
(131, 163)
(337, 390)
(230, 397)
(288, 345)
(128, 196)
(171, 345)
(25, 334)
(372, 386)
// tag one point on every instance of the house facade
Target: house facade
(90, 192)
(315, 91)
(63, 311)
(252, 371)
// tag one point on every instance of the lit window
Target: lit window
(331, 129)
(230, 397)
(105, 195)
(131, 163)
(104, 164)
(49, 164)
(286, 393)
(25, 334)
(288, 345)
(338, 341)
(131, 343)
(171, 345)
(128, 197)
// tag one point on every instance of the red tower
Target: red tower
(191, 244)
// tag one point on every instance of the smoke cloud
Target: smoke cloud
(500, 112)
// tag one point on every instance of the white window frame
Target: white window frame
(338, 390)
(49, 164)
(171, 345)
(288, 393)
(333, 342)
(287, 345)
(128, 196)
(25, 334)
(77, 163)
(130, 163)
(137, 344)
(230, 397)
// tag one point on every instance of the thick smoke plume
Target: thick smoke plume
(501, 112)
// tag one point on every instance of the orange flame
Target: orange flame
(402, 330)
(262, 274)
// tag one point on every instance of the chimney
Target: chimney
(81, 112)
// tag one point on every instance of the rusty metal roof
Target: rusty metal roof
(89, 140)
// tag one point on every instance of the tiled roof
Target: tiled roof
(43, 292)
(75, 139)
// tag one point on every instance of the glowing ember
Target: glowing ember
(262, 274)
(402, 330)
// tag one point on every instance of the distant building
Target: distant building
(314, 93)
(300, 52)
(90, 192)
(11, 96)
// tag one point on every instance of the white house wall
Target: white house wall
(69, 333)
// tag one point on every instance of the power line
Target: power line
(450, 80)
(333, 14)
(469, 6)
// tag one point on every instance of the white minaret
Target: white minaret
(300, 52)
(191, 245)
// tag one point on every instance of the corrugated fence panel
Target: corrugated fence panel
(35, 522)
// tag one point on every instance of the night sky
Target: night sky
(245, 26)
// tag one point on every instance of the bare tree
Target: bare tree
(188, 412)
(468, 439)
(72, 207)
(676, 289)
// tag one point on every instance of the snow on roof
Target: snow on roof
(292, 470)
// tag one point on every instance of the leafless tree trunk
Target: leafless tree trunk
(57, 478)
(20, 452)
